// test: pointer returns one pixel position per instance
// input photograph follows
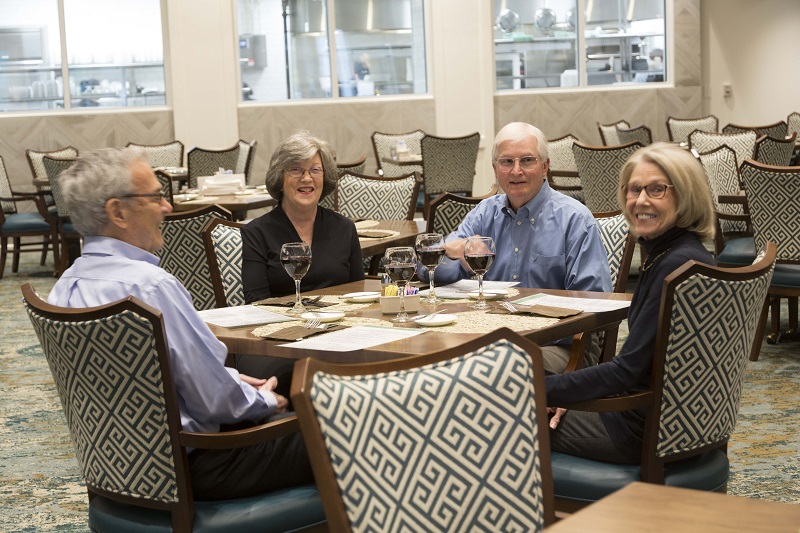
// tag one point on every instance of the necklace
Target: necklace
(646, 265)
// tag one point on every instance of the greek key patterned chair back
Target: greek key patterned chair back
(772, 151)
(184, 254)
(773, 196)
(244, 163)
(9, 207)
(679, 129)
(358, 166)
(37, 165)
(167, 186)
(329, 201)
(201, 162)
(162, 155)
(614, 233)
(109, 380)
(640, 134)
(563, 160)
(599, 169)
(712, 328)
(608, 132)
(448, 165)
(402, 429)
(722, 172)
(376, 198)
(777, 130)
(225, 251)
(743, 143)
(382, 144)
(53, 167)
(448, 215)
(793, 123)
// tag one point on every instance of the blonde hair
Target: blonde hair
(695, 206)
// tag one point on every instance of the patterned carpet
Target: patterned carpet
(40, 483)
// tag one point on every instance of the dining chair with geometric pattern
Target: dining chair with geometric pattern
(356, 166)
(448, 165)
(244, 161)
(776, 130)
(36, 165)
(641, 134)
(382, 144)
(223, 244)
(63, 232)
(742, 143)
(598, 168)
(184, 253)
(162, 155)
(773, 195)
(205, 162)
(776, 152)
(449, 210)
(680, 128)
(112, 370)
(562, 174)
(360, 196)
(718, 313)
(608, 132)
(408, 444)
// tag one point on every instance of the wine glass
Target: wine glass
(401, 263)
(430, 251)
(479, 253)
(296, 259)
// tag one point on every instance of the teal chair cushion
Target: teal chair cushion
(740, 251)
(786, 276)
(576, 478)
(25, 222)
(290, 509)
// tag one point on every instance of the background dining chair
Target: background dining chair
(357, 166)
(562, 175)
(598, 168)
(382, 144)
(133, 455)
(686, 428)
(448, 165)
(793, 126)
(773, 195)
(608, 132)
(777, 152)
(244, 161)
(776, 130)
(63, 232)
(449, 210)
(742, 143)
(16, 225)
(184, 254)
(680, 128)
(361, 196)
(641, 134)
(732, 216)
(204, 162)
(162, 155)
(453, 462)
(223, 244)
(38, 172)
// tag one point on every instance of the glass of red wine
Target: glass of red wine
(430, 252)
(400, 264)
(296, 259)
(479, 253)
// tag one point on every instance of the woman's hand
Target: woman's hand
(558, 412)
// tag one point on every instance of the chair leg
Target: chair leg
(755, 350)
(792, 331)
(775, 336)
(54, 238)
(15, 259)
(3, 253)
(45, 247)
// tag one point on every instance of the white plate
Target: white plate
(186, 197)
(246, 192)
(333, 316)
(361, 297)
(261, 187)
(436, 320)
(490, 295)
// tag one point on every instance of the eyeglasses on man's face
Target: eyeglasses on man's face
(655, 191)
(525, 163)
(299, 172)
(157, 196)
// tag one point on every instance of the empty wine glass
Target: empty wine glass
(401, 263)
(479, 253)
(296, 259)
(430, 252)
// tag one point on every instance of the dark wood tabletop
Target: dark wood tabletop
(242, 341)
(408, 231)
(231, 202)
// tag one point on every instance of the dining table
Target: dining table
(470, 324)
(375, 236)
(235, 203)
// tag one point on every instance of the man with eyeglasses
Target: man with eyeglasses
(543, 238)
(115, 202)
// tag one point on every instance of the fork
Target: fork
(313, 323)
(508, 306)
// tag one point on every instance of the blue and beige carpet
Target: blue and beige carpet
(40, 484)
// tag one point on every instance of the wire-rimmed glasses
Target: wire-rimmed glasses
(479, 253)
(296, 259)
(430, 252)
(401, 263)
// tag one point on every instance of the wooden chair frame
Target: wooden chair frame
(446, 196)
(613, 126)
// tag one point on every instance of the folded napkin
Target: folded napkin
(376, 233)
(539, 310)
(288, 301)
(295, 333)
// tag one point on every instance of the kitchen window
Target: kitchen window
(287, 51)
(537, 43)
(111, 54)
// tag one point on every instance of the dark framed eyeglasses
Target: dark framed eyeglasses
(157, 196)
(299, 172)
(655, 191)
(525, 163)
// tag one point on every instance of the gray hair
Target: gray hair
(94, 178)
(517, 131)
(299, 147)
